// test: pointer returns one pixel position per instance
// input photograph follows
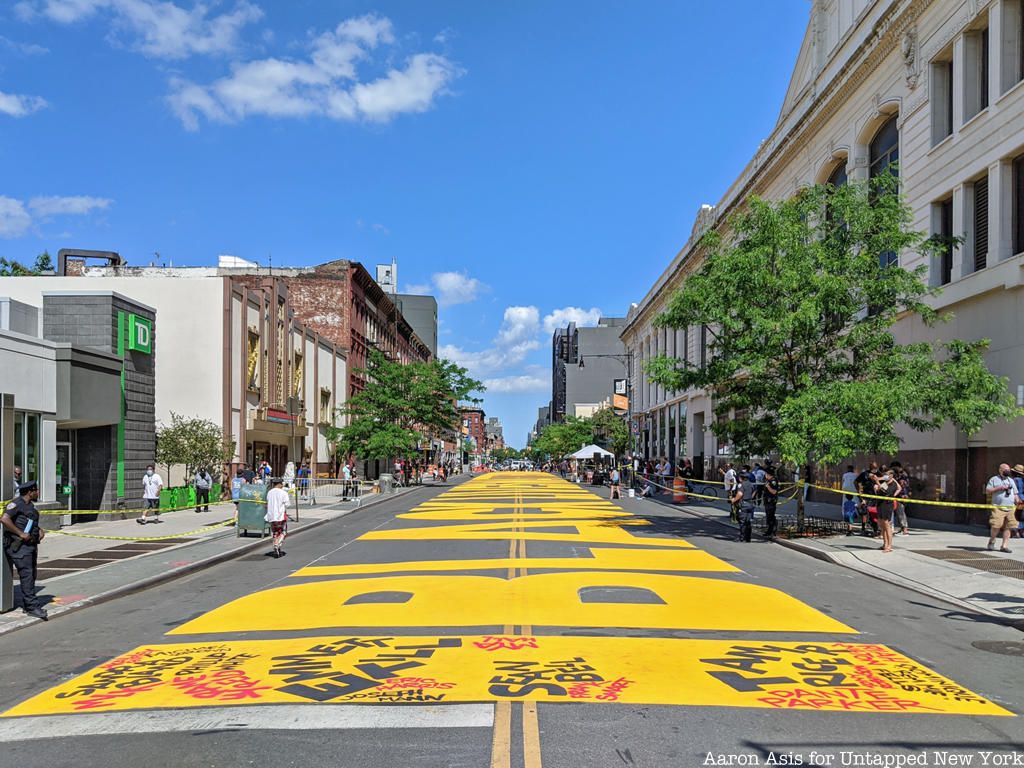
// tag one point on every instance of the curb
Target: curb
(828, 557)
(181, 570)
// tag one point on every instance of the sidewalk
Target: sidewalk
(948, 562)
(76, 570)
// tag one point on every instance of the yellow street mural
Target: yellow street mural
(838, 677)
(594, 565)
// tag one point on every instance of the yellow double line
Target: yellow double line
(501, 744)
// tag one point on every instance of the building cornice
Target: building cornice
(774, 153)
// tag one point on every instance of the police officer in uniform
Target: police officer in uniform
(742, 500)
(22, 534)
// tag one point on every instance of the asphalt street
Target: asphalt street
(515, 620)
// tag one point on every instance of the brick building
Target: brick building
(342, 302)
(474, 428)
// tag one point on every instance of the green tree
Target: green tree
(401, 404)
(562, 438)
(609, 429)
(11, 268)
(799, 300)
(196, 443)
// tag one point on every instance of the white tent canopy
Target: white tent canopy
(588, 451)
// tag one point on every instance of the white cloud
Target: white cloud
(25, 49)
(523, 383)
(14, 219)
(19, 105)
(515, 340)
(559, 318)
(451, 288)
(75, 205)
(157, 28)
(326, 83)
(455, 288)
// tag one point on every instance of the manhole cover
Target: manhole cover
(1004, 647)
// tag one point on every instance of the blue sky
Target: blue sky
(529, 162)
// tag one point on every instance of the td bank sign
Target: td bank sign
(140, 334)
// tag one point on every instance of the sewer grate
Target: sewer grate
(1003, 566)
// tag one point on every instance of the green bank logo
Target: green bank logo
(140, 334)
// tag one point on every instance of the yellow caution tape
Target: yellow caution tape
(908, 500)
(204, 529)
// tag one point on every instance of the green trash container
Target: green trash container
(252, 509)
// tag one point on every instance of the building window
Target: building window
(885, 149)
(979, 220)
(27, 445)
(975, 72)
(703, 346)
(884, 154)
(943, 228)
(838, 176)
(1011, 54)
(941, 98)
(325, 406)
(1018, 205)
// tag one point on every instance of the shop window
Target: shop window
(27, 444)
(975, 72)
(941, 98)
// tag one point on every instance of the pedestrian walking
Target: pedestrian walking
(742, 500)
(21, 538)
(770, 497)
(17, 482)
(848, 485)
(1003, 494)
(202, 482)
(614, 488)
(152, 483)
(277, 514)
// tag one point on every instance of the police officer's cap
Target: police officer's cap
(24, 488)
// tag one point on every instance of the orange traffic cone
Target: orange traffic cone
(679, 490)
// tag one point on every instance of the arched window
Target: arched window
(884, 154)
(885, 149)
(838, 176)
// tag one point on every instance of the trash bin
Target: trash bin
(387, 483)
(252, 510)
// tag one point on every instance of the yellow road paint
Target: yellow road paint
(548, 599)
(587, 531)
(501, 741)
(604, 559)
(531, 735)
(847, 677)
(491, 512)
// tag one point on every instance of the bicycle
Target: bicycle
(698, 489)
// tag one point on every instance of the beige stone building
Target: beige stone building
(937, 86)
